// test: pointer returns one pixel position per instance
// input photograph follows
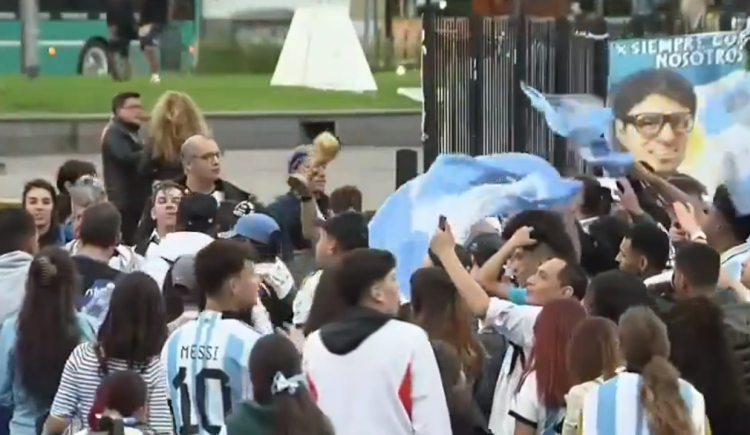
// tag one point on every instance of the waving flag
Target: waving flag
(727, 107)
(465, 190)
(737, 177)
(584, 120)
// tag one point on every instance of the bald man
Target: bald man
(201, 161)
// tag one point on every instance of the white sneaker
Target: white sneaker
(155, 78)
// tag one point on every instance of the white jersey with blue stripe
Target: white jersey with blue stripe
(206, 363)
(614, 408)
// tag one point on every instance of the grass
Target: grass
(225, 93)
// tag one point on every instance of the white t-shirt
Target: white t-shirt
(516, 324)
(527, 408)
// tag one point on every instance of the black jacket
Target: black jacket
(121, 154)
(152, 168)
(231, 193)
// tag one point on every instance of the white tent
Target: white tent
(322, 51)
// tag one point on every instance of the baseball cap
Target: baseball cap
(256, 227)
(483, 245)
(348, 229)
(197, 212)
(183, 272)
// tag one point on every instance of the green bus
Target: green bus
(73, 38)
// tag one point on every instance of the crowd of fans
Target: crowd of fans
(153, 296)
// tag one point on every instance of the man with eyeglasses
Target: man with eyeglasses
(121, 153)
(655, 112)
(201, 161)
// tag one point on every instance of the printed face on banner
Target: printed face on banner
(659, 91)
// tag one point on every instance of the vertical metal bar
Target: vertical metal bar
(476, 106)
(519, 74)
(561, 68)
(30, 38)
(431, 118)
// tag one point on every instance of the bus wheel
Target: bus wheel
(93, 58)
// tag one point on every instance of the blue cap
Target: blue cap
(257, 227)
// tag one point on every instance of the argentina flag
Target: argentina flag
(465, 190)
(726, 114)
(587, 123)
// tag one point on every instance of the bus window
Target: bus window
(10, 7)
(184, 10)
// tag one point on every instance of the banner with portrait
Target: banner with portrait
(660, 91)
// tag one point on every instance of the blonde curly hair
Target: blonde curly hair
(174, 118)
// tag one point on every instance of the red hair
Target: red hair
(552, 331)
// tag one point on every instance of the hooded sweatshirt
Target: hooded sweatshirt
(14, 268)
(172, 247)
(367, 357)
(250, 418)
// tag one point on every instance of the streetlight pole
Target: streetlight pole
(30, 38)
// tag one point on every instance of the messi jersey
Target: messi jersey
(206, 363)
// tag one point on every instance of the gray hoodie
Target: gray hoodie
(14, 267)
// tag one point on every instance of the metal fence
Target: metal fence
(473, 68)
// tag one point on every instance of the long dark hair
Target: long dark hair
(135, 327)
(439, 310)
(464, 417)
(52, 236)
(701, 350)
(296, 411)
(47, 327)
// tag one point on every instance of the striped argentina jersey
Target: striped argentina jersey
(206, 364)
(614, 408)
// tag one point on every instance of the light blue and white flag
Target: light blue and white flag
(726, 107)
(465, 190)
(737, 176)
(586, 122)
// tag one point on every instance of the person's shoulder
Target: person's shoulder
(83, 352)
(405, 331)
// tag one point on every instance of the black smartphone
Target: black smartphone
(441, 222)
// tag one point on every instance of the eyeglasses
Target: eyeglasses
(210, 156)
(651, 124)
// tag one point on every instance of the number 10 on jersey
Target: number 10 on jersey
(184, 385)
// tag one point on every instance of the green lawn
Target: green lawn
(88, 95)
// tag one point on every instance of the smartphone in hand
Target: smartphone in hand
(441, 222)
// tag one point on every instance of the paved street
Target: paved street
(262, 172)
